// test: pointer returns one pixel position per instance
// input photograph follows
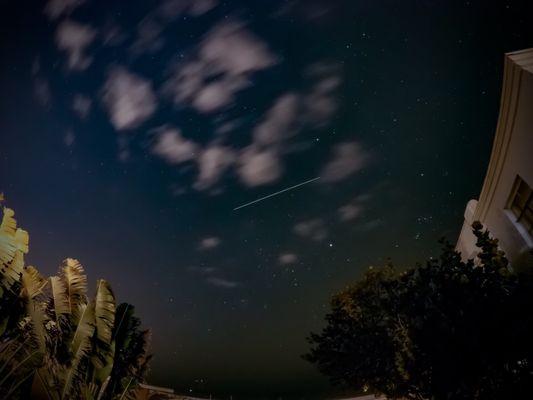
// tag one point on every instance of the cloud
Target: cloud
(42, 92)
(320, 102)
(279, 122)
(313, 229)
(223, 63)
(222, 283)
(56, 8)
(216, 95)
(200, 7)
(171, 146)
(349, 212)
(202, 270)
(347, 159)
(353, 209)
(230, 48)
(81, 105)
(148, 39)
(123, 148)
(260, 163)
(113, 35)
(257, 164)
(209, 243)
(129, 98)
(69, 138)
(209, 274)
(228, 126)
(287, 258)
(177, 190)
(212, 163)
(73, 37)
(370, 225)
(175, 8)
(259, 167)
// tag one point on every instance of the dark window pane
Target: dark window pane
(523, 189)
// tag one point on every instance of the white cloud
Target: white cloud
(172, 146)
(148, 39)
(216, 95)
(287, 258)
(129, 98)
(212, 163)
(225, 59)
(257, 164)
(349, 211)
(200, 7)
(347, 159)
(222, 283)
(42, 92)
(209, 243)
(81, 105)
(259, 167)
(202, 270)
(260, 163)
(232, 49)
(149, 36)
(209, 274)
(353, 209)
(69, 138)
(278, 123)
(123, 148)
(56, 8)
(228, 126)
(320, 102)
(186, 81)
(113, 35)
(174, 8)
(313, 229)
(73, 37)
(370, 225)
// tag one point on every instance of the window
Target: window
(521, 204)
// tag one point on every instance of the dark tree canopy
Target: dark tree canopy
(443, 330)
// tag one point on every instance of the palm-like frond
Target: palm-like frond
(103, 361)
(51, 334)
(13, 238)
(85, 327)
(17, 363)
(57, 303)
(68, 292)
(80, 347)
(18, 355)
(104, 349)
(32, 285)
(75, 281)
(104, 311)
(138, 365)
(131, 357)
(13, 244)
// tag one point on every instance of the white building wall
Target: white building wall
(512, 155)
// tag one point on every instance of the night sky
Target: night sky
(129, 132)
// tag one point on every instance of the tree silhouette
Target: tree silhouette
(447, 329)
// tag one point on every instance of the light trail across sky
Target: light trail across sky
(275, 194)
